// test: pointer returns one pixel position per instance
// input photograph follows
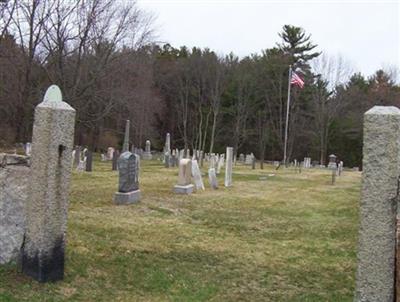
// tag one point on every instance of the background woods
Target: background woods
(104, 57)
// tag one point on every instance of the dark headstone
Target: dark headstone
(128, 167)
(89, 161)
(115, 160)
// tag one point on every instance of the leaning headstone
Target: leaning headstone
(196, 173)
(42, 254)
(212, 178)
(89, 161)
(184, 185)
(375, 277)
(128, 184)
(228, 166)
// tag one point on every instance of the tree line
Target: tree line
(103, 56)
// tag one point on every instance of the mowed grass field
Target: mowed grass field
(287, 237)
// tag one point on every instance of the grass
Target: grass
(287, 237)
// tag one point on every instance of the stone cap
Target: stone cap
(53, 99)
(385, 110)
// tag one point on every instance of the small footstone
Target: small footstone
(188, 189)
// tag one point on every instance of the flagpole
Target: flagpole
(287, 117)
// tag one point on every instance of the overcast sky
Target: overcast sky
(366, 33)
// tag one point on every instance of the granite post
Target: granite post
(375, 277)
(42, 253)
(228, 166)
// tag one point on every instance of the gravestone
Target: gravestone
(28, 149)
(114, 164)
(89, 161)
(221, 162)
(212, 178)
(375, 276)
(253, 162)
(128, 183)
(212, 160)
(42, 254)
(241, 157)
(147, 151)
(332, 162)
(184, 185)
(110, 153)
(77, 155)
(228, 166)
(196, 173)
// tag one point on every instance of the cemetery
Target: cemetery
(138, 168)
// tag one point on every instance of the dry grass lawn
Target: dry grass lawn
(287, 237)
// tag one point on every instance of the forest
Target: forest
(105, 57)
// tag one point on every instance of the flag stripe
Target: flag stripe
(296, 80)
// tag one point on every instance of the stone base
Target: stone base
(127, 198)
(188, 189)
(147, 156)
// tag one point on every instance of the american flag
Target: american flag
(296, 80)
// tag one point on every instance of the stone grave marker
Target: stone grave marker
(184, 185)
(228, 166)
(196, 173)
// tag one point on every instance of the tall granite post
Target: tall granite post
(375, 277)
(42, 253)
(125, 146)
(228, 166)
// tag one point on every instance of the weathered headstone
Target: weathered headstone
(89, 161)
(253, 162)
(375, 277)
(128, 184)
(212, 178)
(114, 164)
(196, 173)
(184, 185)
(228, 166)
(28, 149)
(110, 153)
(332, 162)
(42, 254)
(77, 158)
(221, 163)
(147, 151)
